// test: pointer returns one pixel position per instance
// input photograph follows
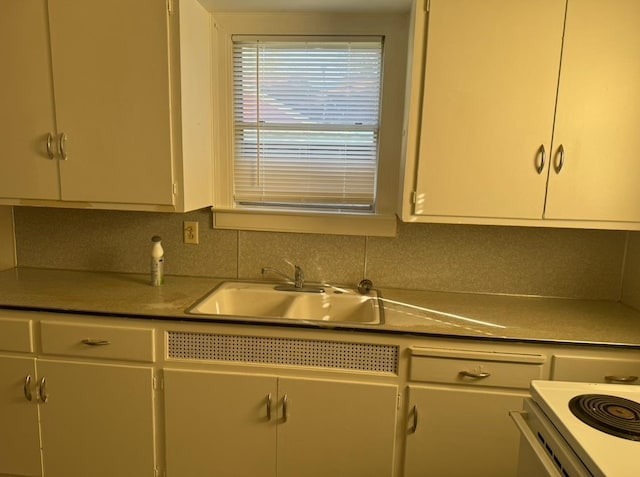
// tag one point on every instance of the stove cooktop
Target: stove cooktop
(600, 422)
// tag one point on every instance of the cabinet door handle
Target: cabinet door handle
(285, 408)
(42, 390)
(543, 159)
(469, 374)
(50, 146)
(560, 163)
(90, 342)
(269, 407)
(27, 388)
(414, 425)
(621, 379)
(62, 146)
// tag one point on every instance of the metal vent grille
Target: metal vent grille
(284, 351)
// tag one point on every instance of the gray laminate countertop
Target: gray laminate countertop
(551, 320)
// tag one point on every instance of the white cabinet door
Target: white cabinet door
(598, 115)
(461, 432)
(19, 435)
(26, 96)
(98, 420)
(220, 424)
(111, 76)
(336, 428)
(488, 103)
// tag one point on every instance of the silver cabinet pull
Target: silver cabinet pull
(91, 342)
(621, 379)
(62, 146)
(414, 425)
(269, 407)
(42, 390)
(560, 163)
(50, 154)
(27, 388)
(285, 408)
(543, 159)
(469, 374)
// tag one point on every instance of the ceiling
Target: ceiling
(307, 5)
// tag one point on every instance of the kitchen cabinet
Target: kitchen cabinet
(457, 413)
(93, 94)
(19, 436)
(70, 412)
(98, 419)
(524, 119)
(596, 368)
(228, 424)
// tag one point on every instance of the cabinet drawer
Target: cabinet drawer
(595, 370)
(475, 368)
(16, 335)
(92, 341)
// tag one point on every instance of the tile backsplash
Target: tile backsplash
(460, 258)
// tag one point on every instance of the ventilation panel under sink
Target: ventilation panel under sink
(283, 351)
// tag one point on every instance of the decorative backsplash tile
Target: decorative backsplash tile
(465, 258)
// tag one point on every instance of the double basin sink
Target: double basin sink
(270, 301)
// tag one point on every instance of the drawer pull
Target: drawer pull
(469, 374)
(90, 342)
(27, 388)
(621, 379)
(42, 390)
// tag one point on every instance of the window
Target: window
(305, 138)
(306, 119)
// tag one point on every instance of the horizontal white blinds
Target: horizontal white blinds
(306, 117)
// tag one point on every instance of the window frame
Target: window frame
(394, 29)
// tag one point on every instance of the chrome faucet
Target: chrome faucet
(297, 280)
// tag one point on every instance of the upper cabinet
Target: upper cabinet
(107, 105)
(524, 112)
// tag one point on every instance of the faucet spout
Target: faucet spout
(266, 270)
(296, 283)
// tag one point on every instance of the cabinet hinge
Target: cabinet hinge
(170, 7)
(414, 197)
(158, 383)
(427, 5)
(158, 472)
(175, 188)
(399, 401)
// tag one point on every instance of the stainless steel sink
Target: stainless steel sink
(264, 300)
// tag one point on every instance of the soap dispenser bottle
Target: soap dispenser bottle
(157, 261)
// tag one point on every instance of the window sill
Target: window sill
(335, 224)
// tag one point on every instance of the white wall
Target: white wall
(7, 240)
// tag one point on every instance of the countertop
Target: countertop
(549, 320)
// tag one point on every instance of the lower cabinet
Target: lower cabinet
(96, 419)
(72, 419)
(265, 426)
(461, 433)
(19, 432)
(75, 417)
(459, 400)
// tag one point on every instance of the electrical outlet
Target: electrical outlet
(190, 230)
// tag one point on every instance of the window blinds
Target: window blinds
(306, 117)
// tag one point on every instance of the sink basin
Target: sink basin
(263, 300)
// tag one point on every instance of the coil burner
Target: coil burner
(614, 415)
